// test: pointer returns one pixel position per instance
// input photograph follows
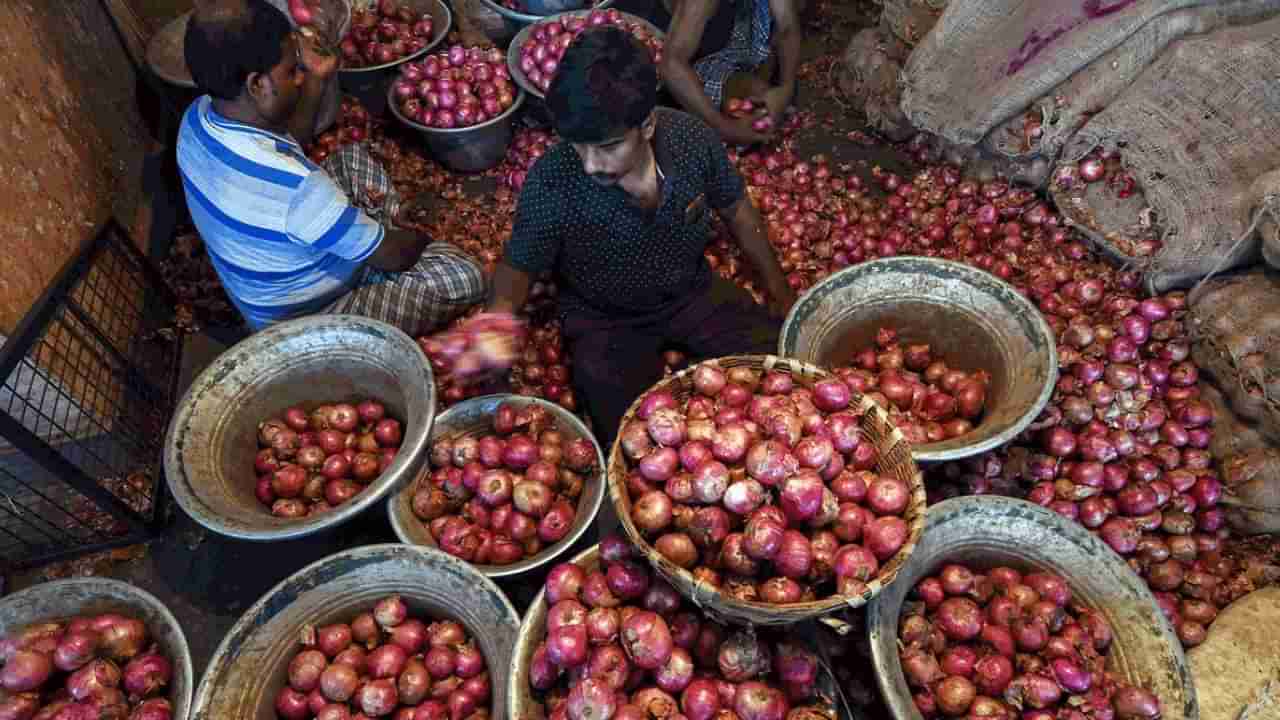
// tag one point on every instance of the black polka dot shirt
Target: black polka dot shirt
(608, 254)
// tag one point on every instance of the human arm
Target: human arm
(509, 290)
(399, 250)
(318, 63)
(786, 43)
(747, 227)
(688, 23)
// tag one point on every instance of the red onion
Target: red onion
(700, 700)
(954, 695)
(1133, 703)
(885, 536)
(960, 618)
(757, 701)
(26, 670)
(338, 682)
(647, 640)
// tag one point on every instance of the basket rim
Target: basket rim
(517, 16)
(549, 553)
(711, 599)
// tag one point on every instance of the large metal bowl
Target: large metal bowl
(251, 664)
(513, 50)
(472, 418)
(369, 84)
(208, 457)
(514, 20)
(969, 317)
(468, 149)
(62, 599)
(989, 531)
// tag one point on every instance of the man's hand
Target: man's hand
(318, 59)
(738, 131)
(781, 299)
(776, 99)
(488, 346)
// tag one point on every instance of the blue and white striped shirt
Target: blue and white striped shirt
(284, 238)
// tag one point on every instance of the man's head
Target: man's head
(244, 51)
(602, 101)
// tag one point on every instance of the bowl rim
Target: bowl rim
(922, 453)
(182, 663)
(448, 25)
(510, 14)
(180, 483)
(548, 554)
(395, 110)
(247, 624)
(889, 676)
(513, 49)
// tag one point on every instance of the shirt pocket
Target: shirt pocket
(697, 213)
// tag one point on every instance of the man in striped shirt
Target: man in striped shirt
(289, 237)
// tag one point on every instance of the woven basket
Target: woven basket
(894, 461)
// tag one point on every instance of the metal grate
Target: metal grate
(89, 384)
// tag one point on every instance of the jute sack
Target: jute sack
(1197, 130)
(1038, 134)
(1237, 668)
(1232, 435)
(1252, 495)
(911, 20)
(1234, 325)
(867, 76)
(988, 60)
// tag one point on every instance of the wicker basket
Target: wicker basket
(894, 461)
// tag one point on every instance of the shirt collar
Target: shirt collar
(219, 120)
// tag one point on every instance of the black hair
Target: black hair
(224, 45)
(607, 83)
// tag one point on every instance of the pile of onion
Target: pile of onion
(762, 487)
(386, 663)
(353, 126)
(384, 34)
(540, 55)
(501, 497)
(1141, 238)
(92, 666)
(526, 147)
(620, 644)
(543, 368)
(928, 400)
(310, 463)
(1002, 643)
(455, 88)
(743, 108)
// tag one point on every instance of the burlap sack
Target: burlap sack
(988, 60)
(911, 20)
(1237, 668)
(1232, 435)
(1234, 324)
(1057, 116)
(1252, 495)
(1196, 130)
(867, 76)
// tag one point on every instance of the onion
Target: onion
(885, 536)
(647, 640)
(992, 674)
(960, 618)
(75, 649)
(27, 670)
(1133, 703)
(591, 699)
(954, 695)
(888, 496)
(700, 700)
(338, 682)
(678, 548)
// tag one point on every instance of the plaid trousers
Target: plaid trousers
(441, 285)
(748, 48)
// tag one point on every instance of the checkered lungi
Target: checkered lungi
(748, 48)
(440, 286)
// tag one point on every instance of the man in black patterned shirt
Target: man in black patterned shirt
(620, 213)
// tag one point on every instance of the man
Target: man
(287, 237)
(721, 49)
(619, 211)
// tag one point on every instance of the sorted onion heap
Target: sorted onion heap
(929, 401)
(623, 645)
(526, 147)
(310, 463)
(353, 126)
(761, 487)
(496, 499)
(540, 55)
(102, 666)
(384, 34)
(455, 88)
(1002, 643)
(386, 663)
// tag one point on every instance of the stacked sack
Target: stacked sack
(1234, 323)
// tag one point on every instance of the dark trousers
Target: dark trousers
(616, 359)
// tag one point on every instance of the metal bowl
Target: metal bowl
(970, 317)
(514, 20)
(513, 50)
(472, 418)
(369, 84)
(989, 531)
(474, 148)
(251, 664)
(92, 595)
(208, 457)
